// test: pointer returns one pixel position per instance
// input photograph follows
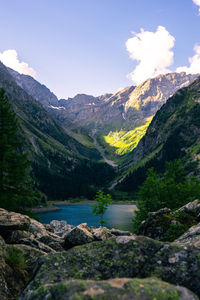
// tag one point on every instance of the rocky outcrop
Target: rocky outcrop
(192, 236)
(16, 228)
(124, 256)
(15, 268)
(12, 221)
(167, 225)
(23, 239)
(191, 208)
(83, 234)
(119, 288)
(106, 264)
(58, 235)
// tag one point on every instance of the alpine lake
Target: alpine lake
(118, 216)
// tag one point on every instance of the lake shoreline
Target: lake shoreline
(44, 209)
(52, 205)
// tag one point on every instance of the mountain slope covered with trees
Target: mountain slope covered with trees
(114, 122)
(60, 165)
(174, 133)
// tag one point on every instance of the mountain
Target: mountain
(173, 133)
(114, 124)
(38, 91)
(58, 161)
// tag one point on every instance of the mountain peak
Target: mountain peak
(154, 92)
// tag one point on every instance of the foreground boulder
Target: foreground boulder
(113, 289)
(168, 225)
(125, 256)
(12, 221)
(15, 268)
(23, 239)
(87, 271)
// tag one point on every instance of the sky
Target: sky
(99, 46)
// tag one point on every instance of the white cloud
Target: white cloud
(197, 2)
(11, 60)
(153, 52)
(194, 61)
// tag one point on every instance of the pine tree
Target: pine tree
(16, 191)
(172, 189)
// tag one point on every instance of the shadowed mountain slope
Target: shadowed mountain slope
(113, 123)
(173, 133)
(58, 161)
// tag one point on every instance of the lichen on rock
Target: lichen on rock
(113, 289)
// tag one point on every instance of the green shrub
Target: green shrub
(173, 232)
(171, 190)
(103, 200)
(15, 258)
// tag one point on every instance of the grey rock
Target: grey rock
(101, 233)
(13, 221)
(34, 243)
(191, 208)
(37, 229)
(113, 289)
(192, 236)
(151, 226)
(78, 236)
(15, 236)
(126, 256)
(60, 228)
(158, 224)
(118, 232)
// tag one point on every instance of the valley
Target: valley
(140, 148)
(100, 150)
(82, 144)
(117, 122)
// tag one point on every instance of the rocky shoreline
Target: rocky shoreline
(44, 209)
(59, 261)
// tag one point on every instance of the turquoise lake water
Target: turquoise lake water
(116, 216)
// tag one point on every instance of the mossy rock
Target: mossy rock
(113, 289)
(167, 226)
(125, 256)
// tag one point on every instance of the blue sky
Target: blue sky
(80, 46)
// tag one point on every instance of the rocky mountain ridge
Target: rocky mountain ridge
(108, 118)
(83, 109)
(115, 124)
